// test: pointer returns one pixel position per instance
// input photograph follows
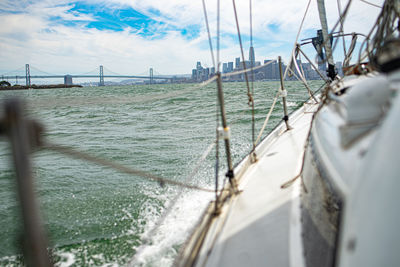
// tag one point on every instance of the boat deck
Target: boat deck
(261, 225)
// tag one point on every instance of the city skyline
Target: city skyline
(268, 72)
(132, 36)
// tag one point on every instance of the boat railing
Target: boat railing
(26, 136)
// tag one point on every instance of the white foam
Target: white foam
(67, 259)
(161, 247)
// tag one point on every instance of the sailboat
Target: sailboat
(322, 188)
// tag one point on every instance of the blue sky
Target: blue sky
(129, 36)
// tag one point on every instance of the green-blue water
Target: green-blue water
(97, 216)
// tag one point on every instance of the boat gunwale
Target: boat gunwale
(190, 250)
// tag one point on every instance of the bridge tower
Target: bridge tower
(27, 75)
(68, 80)
(151, 76)
(101, 83)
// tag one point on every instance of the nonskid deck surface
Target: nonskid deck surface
(254, 229)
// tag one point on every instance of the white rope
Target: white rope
(268, 116)
(302, 78)
(346, 61)
(297, 38)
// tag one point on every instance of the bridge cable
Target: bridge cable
(22, 69)
(39, 70)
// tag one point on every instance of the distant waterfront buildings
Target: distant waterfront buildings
(200, 74)
(268, 72)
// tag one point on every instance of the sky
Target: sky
(131, 36)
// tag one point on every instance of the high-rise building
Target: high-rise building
(199, 74)
(194, 74)
(271, 71)
(237, 63)
(252, 58)
(224, 67)
(206, 73)
(212, 71)
(230, 66)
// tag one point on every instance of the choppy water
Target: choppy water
(97, 216)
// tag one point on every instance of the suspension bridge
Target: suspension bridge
(68, 78)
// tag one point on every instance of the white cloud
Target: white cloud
(29, 36)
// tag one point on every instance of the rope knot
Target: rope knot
(251, 100)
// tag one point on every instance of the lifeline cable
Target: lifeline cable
(117, 166)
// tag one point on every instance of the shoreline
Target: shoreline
(49, 86)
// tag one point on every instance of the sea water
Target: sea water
(96, 216)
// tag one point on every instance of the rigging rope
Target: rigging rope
(348, 55)
(69, 151)
(369, 3)
(249, 94)
(302, 79)
(217, 157)
(297, 38)
(218, 35)
(208, 32)
(217, 124)
(252, 63)
(339, 6)
(342, 18)
(386, 28)
(268, 116)
(312, 64)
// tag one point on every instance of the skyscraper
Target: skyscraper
(225, 67)
(230, 66)
(237, 63)
(252, 58)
